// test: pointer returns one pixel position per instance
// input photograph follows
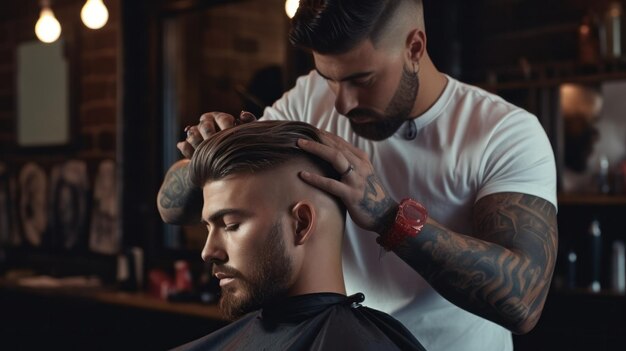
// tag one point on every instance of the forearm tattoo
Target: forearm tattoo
(376, 203)
(503, 270)
(177, 191)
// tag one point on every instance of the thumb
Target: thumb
(246, 117)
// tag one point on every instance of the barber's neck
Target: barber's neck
(432, 85)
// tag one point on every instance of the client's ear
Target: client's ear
(304, 214)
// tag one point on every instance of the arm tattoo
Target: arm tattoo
(501, 272)
(376, 203)
(180, 197)
(176, 188)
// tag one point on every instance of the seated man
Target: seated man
(275, 244)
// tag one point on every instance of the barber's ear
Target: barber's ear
(304, 215)
(416, 44)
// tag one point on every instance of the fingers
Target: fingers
(246, 117)
(224, 121)
(328, 185)
(185, 148)
(216, 121)
(206, 127)
(210, 123)
(336, 142)
(193, 136)
(332, 155)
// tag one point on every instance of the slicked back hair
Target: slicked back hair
(255, 147)
(336, 26)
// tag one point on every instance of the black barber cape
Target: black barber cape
(324, 321)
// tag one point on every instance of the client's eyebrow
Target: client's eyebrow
(226, 211)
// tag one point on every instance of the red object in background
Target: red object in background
(183, 276)
(160, 284)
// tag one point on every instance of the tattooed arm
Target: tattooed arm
(179, 201)
(501, 272)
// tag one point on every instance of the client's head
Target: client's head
(270, 235)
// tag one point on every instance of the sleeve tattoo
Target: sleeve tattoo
(501, 272)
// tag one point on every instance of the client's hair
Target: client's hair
(254, 147)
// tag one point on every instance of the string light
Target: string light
(291, 6)
(47, 29)
(94, 14)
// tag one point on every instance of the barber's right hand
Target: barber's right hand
(210, 123)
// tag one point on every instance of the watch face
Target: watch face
(414, 213)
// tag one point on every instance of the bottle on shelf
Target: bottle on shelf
(589, 39)
(604, 183)
(595, 245)
(613, 26)
(618, 267)
(571, 269)
(619, 178)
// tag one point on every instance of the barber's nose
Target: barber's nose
(213, 248)
(346, 99)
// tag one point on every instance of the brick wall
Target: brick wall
(230, 43)
(95, 82)
(98, 87)
(93, 66)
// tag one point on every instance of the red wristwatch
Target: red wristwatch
(410, 220)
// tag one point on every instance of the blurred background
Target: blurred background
(95, 94)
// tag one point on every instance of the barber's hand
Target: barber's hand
(360, 189)
(210, 123)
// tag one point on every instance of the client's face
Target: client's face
(246, 241)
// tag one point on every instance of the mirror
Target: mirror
(228, 57)
(594, 123)
(43, 117)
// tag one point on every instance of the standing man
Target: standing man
(457, 183)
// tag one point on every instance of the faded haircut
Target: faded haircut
(336, 26)
(255, 147)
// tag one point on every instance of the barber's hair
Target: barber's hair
(336, 26)
(254, 147)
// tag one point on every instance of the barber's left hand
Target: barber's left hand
(359, 188)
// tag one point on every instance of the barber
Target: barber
(450, 190)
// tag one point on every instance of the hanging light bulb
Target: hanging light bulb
(47, 28)
(94, 14)
(291, 6)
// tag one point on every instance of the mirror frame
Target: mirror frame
(71, 51)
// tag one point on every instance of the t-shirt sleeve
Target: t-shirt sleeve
(519, 158)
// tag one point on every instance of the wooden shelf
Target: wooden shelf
(551, 82)
(581, 292)
(594, 200)
(551, 74)
(127, 299)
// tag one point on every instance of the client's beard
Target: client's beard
(267, 282)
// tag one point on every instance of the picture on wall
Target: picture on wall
(32, 203)
(104, 237)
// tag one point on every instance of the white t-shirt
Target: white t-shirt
(469, 144)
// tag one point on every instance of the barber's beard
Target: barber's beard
(268, 281)
(397, 112)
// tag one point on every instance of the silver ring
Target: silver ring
(350, 169)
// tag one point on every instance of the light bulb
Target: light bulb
(291, 6)
(47, 29)
(94, 14)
